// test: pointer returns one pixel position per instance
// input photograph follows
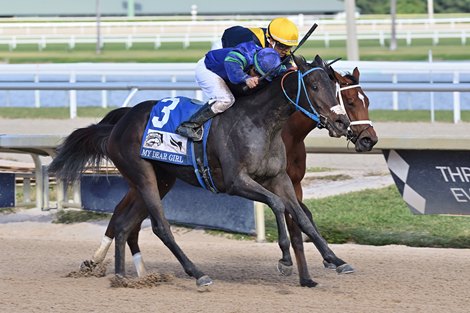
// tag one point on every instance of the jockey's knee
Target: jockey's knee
(220, 105)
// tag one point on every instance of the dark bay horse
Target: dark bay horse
(294, 132)
(246, 157)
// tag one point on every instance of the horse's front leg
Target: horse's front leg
(330, 260)
(303, 219)
(246, 187)
(298, 247)
(296, 168)
(161, 228)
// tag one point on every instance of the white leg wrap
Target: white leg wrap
(100, 254)
(139, 264)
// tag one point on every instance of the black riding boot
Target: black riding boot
(193, 128)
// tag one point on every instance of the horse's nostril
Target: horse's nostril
(367, 142)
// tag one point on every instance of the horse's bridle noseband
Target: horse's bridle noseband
(314, 115)
(350, 135)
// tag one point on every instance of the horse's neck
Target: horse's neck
(268, 107)
(298, 126)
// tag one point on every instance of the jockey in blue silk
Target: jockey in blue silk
(234, 64)
(281, 35)
(244, 63)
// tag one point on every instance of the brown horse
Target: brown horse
(294, 132)
(298, 126)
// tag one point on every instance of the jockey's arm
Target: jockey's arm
(235, 64)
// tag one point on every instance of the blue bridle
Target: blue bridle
(314, 114)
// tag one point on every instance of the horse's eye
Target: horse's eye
(314, 87)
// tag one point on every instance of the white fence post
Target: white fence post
(37, 94)
(12, 44)
(395, 93)
(259, 222)
(158, 42)
(457, 117)
(326, 40)
(104, 94)
(72, 42)
(42, 43)
(173, 80)
(129, 42)
(431, 94)
(73, 97)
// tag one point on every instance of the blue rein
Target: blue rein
(314, 114)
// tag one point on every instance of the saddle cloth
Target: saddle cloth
(161, 143)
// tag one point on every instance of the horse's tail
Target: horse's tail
(114, 116)
(83, 146)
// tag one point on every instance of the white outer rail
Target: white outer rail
(176, 72)
(133, 88)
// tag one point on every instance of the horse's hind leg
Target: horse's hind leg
(165, 183)
(142, 177)
(106, 241)
(127, 222)
(133, 243)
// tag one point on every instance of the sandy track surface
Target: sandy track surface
(37, 256)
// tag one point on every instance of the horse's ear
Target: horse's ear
(329, 70)
(299, 61)
(319, 61)
(356, 73)
(338, 77)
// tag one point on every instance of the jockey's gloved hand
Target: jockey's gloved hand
(252, 82)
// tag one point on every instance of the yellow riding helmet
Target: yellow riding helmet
(283, 30)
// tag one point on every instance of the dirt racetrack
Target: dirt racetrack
(37, 255)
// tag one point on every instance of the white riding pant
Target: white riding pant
(214, 88)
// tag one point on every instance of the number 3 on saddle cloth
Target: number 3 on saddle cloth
(161, 143)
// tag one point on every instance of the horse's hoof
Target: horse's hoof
(285, 270)
(328, 265)
(345, 269)
(87, 265)
(308, 283)
(119, 276)
(203, 283)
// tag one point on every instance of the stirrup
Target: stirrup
(191, 132)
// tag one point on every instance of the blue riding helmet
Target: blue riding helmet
(265, 60)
